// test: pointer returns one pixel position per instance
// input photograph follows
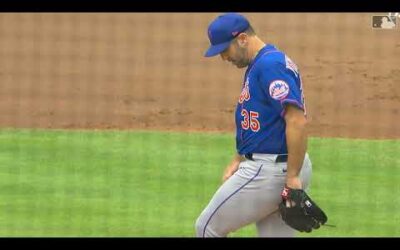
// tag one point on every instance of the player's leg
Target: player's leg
(246, 197)
(273, 225)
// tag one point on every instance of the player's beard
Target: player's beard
(241, 58)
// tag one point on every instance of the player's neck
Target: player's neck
(257, 45)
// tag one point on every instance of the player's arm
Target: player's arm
(232, 167)
(296, 140)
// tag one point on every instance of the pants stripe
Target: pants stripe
(209, 219)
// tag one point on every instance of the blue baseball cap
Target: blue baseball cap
(223, 30)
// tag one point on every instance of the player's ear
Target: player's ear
(242, 39)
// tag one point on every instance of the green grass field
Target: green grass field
(75, 183)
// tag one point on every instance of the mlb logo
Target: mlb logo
(384, 22)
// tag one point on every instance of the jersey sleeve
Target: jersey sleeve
(281, 85)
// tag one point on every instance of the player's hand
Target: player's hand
(230, 170)
(294, 182)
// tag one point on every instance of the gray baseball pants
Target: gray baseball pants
(251, 195)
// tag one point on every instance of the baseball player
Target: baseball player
(271, 168)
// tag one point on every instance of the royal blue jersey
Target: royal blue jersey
(271, 81)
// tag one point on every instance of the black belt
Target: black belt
(280, 158)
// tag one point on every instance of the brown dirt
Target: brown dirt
(146, 71)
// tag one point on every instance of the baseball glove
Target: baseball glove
(299, 211)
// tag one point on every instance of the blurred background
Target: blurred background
(147, 70)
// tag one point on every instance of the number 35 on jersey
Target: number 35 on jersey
(250, 120)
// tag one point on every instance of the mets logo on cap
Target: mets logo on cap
(278, 89)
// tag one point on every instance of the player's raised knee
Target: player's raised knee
(207, 229)
(199, 226)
